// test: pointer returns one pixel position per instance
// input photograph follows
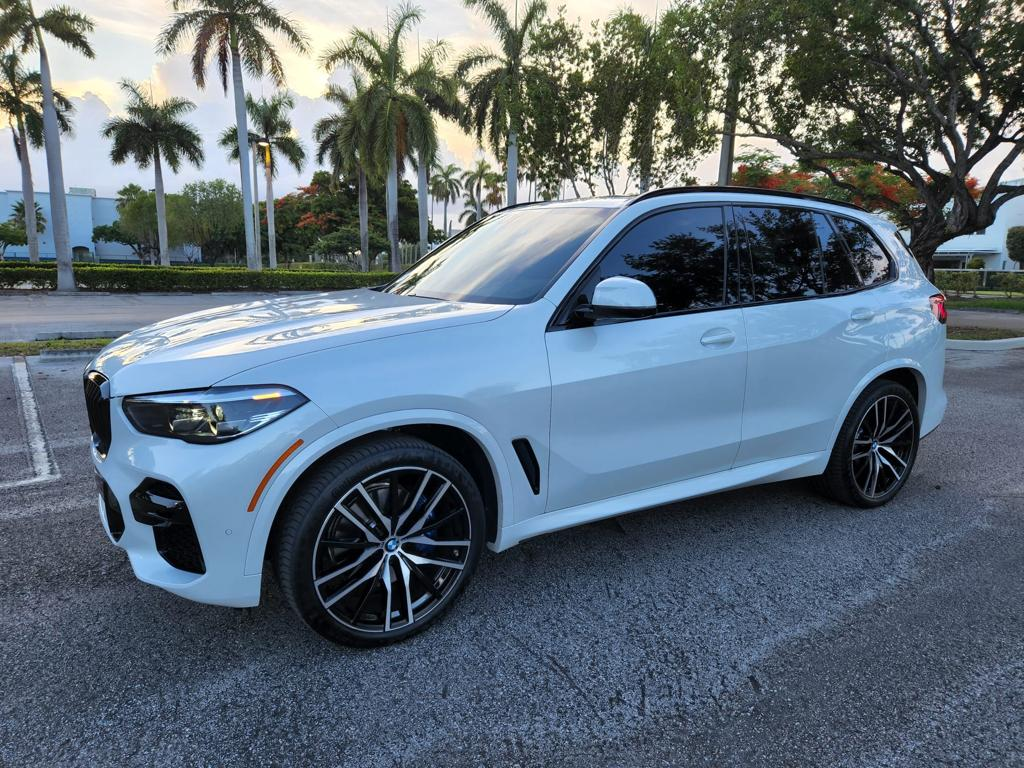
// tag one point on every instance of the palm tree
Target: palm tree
(21, 28)
(446, 186)
(494, 81)
(442, 97)
(473, 180)
(35, 214)
(154, 132)
(493, 190)
(343, 138)
(271, 134)
(398, 117)
(21, 99)
(234, 32)
(471, 208)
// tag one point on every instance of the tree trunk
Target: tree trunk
(258, 237)
(55, 172)
(161, 212)
(28, 193)
(271, 235)
(513, 168)
(725, 159)
(392, 208)
(446, 216)
(479, 199)
(421, 193)
(242, 132)
(364, 222)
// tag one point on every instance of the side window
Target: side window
(840, 276)
(784, 258)
(868, 256)
(679, 254)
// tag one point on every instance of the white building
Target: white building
(85, 211)
(989, 244)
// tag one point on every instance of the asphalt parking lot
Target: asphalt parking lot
(759, 627)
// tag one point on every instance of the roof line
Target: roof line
(743, 190)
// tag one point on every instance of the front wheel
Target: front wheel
(875, 449)
(377, 543)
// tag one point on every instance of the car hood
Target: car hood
(201, 348)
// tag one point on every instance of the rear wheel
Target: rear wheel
(875, 449)
(379, 542)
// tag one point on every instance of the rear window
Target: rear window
(510, 257)
(840, 274)
(782, 246)
(871, 261)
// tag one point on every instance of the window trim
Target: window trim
(559, 320)
(894, 271)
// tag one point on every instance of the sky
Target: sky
(124, 39)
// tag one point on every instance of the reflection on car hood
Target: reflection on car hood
(199, 349)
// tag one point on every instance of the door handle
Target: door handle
(862, 315)
(718, 337)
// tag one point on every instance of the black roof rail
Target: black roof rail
(744, 190)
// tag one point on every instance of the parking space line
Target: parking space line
(43, 466)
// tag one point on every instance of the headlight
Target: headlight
(211, 415)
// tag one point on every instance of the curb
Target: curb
(985, 346)
(68, 354)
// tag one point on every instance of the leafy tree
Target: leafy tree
(927, 89)
(113, 233)
(138, 222)
(211, 214)
(327, 205)
(394, 102)
(650, 101)
(1015, 245)
(446, 186)
(976, 262)
(868, 185)
(22, 29)
(343, 138)
(472, 208)
(153, 132)
(495, 81)
(234, 32)
(21, 100)
(18, 211)
(11, 233)
(556, 106)
(271, 135)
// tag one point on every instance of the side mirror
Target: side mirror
(619, 297)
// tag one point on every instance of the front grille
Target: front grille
(97, 405)
(160, 505)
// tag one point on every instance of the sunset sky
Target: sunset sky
(124, 44)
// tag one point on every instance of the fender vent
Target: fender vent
(529, 461)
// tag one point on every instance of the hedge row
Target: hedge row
(117, 278)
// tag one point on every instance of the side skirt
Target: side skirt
(805, 465)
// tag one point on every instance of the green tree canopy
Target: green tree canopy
(928, 89)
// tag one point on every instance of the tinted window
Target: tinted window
(868, 256)
(679, 254)
(840, 275)
(508, 258)
(782, 244)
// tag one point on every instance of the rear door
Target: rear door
(645, 402)
(812, 330)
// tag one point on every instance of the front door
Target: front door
(642, 403)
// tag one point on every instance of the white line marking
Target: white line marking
(43, 466)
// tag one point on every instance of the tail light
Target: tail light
(938, 302)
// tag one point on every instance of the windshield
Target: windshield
(511, 257)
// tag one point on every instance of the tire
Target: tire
(363, 571)
(881, 431)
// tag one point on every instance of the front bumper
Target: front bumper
(215, 483)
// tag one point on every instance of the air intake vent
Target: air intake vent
(529, 461)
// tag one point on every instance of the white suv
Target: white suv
(552, 365)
